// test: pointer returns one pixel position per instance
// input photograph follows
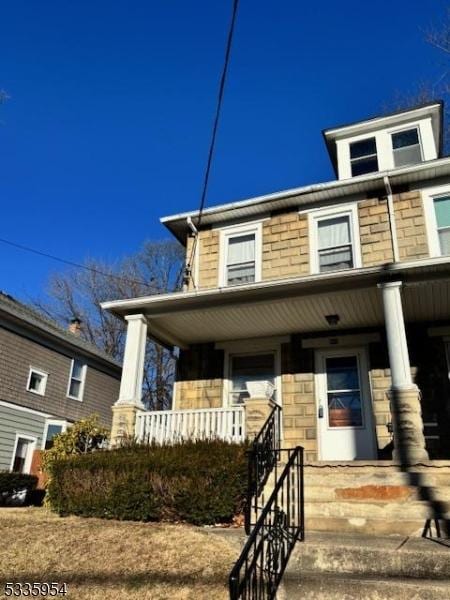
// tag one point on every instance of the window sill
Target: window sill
(74, 398)
(36, 393)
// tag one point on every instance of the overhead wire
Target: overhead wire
(73, 264)
(212, 144)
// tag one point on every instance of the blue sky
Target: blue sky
(111, 106)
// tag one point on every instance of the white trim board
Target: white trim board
(24, 409)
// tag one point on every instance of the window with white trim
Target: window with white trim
(241, 260)
(334, 243)
(37, 381)
(363, 156)
(334, 239)
(406, 147)
(441, 206)
(76, 380)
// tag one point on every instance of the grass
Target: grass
(113, 559)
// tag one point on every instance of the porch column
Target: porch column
(409, 441)
(130, 395)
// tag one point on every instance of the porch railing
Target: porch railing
(171, 426)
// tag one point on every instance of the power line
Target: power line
(212, 143)
(73, 264)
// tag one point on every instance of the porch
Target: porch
(386, 323)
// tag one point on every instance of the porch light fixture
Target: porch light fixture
(332, 320)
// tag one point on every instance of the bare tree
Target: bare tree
(437, 36)
(77, 293)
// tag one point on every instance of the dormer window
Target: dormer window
(363, 156)
(241, 255)
(406, 147)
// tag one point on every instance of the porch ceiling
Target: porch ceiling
(292, 306)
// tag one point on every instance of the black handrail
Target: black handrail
(262, 458)
(260, 567)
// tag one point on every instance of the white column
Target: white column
(396, 335)
(133, 362)
(409, 441)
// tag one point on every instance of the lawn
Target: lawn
(113, 559)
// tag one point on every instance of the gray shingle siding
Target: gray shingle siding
(12, 422)
(18, 353)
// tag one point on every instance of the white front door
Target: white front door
(344, 406)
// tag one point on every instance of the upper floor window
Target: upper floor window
(37, 381)
(442, 214)
(334, 235)
(406, 147)
(76, 380)
(241, 255)
(363, 156)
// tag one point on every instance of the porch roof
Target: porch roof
(294, 305)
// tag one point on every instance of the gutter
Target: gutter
(373, 178)
(179, 300)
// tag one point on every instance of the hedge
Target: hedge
(200, 482)
(14, 483)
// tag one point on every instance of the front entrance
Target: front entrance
(344, 406)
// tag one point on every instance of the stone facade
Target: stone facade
(410, 224)
(375, 232)
(299, 404)
(286, 243)
(285, 246)
(200, 385)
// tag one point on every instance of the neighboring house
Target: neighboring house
(334, 295)
(49, 378)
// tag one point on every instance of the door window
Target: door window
(343, 392)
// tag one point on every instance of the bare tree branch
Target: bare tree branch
(78, 293)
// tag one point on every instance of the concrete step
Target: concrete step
(368, 526)
(382, 556)
(342, 587)
(372, 509)
(330, 567)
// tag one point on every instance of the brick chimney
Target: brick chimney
(75, 326)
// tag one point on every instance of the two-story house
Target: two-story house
(49, 378)
(332, 298)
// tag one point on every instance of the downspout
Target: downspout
(392, 226)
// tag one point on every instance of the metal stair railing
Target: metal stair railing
(260, 567)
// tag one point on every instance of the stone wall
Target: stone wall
(375, 232)
(410, 225)
(285, 246)
(299, 404)
(285, 240)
